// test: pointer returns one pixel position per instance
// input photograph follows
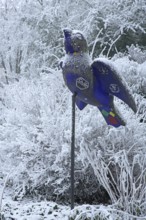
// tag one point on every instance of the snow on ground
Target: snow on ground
(34, 211)
(29, 210)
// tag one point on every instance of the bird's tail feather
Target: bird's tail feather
(111, 116)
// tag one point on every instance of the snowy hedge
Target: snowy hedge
(35, 143)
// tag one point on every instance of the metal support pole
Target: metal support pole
(73, 150)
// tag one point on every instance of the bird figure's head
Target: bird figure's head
(74, 42)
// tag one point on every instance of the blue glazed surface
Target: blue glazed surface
(94, 82)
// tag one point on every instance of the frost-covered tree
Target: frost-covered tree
(32, 30)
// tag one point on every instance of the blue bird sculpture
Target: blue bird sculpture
(94, 82)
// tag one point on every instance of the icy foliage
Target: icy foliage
(35, 144)
(35, 137)
(32, 41)
(136, 54)
(30, 132)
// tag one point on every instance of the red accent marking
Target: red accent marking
(113, 120)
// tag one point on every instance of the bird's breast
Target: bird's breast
(77, 66)
(78, 76)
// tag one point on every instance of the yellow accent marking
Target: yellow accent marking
(75, 53)
(112, 114)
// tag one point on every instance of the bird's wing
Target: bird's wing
(111, 83)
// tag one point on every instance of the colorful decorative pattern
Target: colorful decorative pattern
(113, 120)
(106, 114)
(110, 116)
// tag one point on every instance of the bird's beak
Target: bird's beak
(67, 32)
